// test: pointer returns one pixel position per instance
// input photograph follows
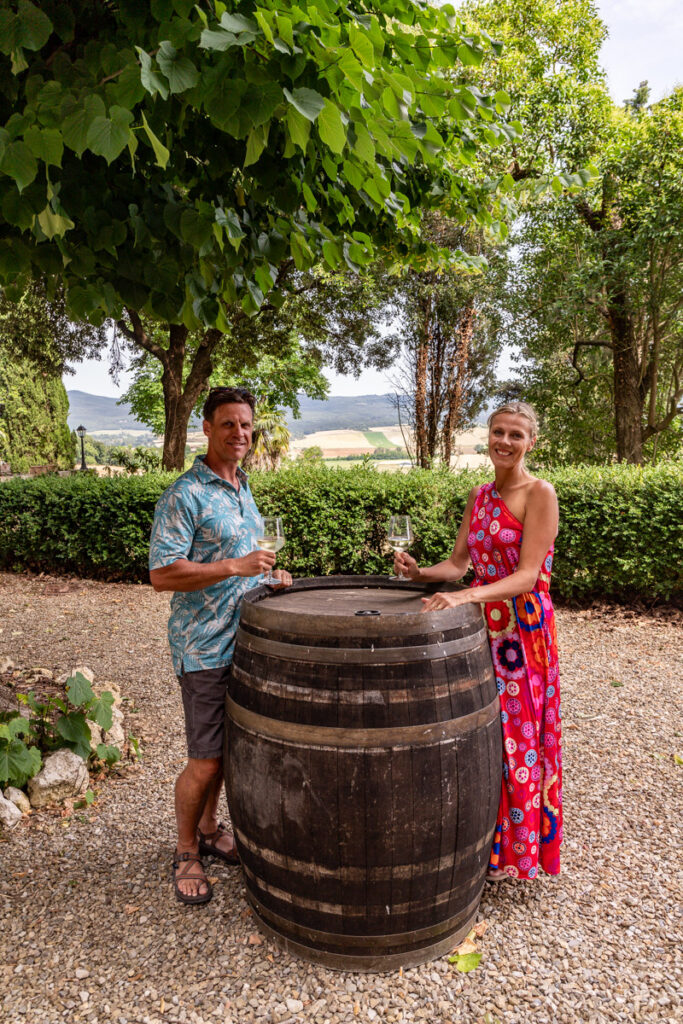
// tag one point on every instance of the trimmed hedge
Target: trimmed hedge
(621, 528)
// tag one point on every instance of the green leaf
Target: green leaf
(238, 23)
(45, 144)
(161, 153)
(363, 146)
(465, 962)
(180, 71)
(299, 128)
(109, 754)
(18, 763)
(332, 254)
(307, 101)
(678, 759)
(331, 128)
(18, 162)
(256, 143)
(77, 125)
(301, 253)
(108, 136)
(74, 729)
(470, 55)
(309, 198)
(128, 89)
(78, 689)
(217, 39)
(503, 101)
(362, 46)
(17, 210)
(232, 224)
(195, 229)
(89, 796)
(100, 711)
(54, 225)
(29, 28)
(151, 80)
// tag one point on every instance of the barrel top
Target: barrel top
(356, 605)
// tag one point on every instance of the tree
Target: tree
(177, 162)
(598, 295)
(273, 380)
(449, 334)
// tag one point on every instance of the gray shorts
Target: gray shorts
(204, 705)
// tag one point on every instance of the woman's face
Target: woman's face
(509, 439)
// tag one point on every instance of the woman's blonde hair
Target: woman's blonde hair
(518, 409)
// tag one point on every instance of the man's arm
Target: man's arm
(185, 576)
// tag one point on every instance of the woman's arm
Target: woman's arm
(454, 567)
(540, 530)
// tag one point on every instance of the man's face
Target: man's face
(229, 431)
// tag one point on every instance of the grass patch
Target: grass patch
(378, 439)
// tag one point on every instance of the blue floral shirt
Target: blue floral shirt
(203, 518)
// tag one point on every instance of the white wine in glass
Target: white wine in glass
(271, 538)
(400, 537)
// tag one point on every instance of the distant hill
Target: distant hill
(360, 412)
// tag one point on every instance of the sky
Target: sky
(645, 42)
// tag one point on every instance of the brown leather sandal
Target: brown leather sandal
(208, 848)
(190, 875)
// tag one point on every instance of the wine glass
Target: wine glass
(271, 537)
(400, 537)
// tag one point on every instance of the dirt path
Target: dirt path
(90, 931)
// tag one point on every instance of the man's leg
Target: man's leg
(198, 787)
(208, 823)
(194, 789)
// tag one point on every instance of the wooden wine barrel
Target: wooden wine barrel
(363, 769)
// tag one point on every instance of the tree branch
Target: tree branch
(139, 336)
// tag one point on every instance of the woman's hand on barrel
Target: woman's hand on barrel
(440, 601)
(283, 578)
(405, 565)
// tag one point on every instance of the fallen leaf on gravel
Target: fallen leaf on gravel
(480, 928)
(255, 939)
(356, 1009)
(162, 1005)
(677, 760)
(465, 963)
(130, 908)
(213, 879)
(465, 947)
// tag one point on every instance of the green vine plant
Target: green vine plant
(53, 724)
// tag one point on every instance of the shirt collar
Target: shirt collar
(207, 475)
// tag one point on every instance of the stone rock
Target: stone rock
(294, 1005)
(18, 798)
(96, 735)
(64, 774)
(6, 665)
(41, 673)
(10, 815)
(85, 671)
(101, 688)
(116, 736)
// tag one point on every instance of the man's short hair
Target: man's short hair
(223, 395)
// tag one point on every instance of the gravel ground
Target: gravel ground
(90, 930)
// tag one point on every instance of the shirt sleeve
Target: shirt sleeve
(173, 530)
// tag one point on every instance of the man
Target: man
(203, 548)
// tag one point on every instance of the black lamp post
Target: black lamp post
(81, 431)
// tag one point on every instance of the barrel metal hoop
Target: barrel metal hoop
(285, 926)
(374, 873)
(365, 738)
(349, 911)
(358, 655)
(387, 696)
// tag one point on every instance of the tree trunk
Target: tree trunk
(629, 396)
(421, 362)
(457, 379)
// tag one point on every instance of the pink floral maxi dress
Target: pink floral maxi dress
(524, 651)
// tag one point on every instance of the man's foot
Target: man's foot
(220, 843)
(190, 884)
(498, 875)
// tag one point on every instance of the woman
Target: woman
(507, 533)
